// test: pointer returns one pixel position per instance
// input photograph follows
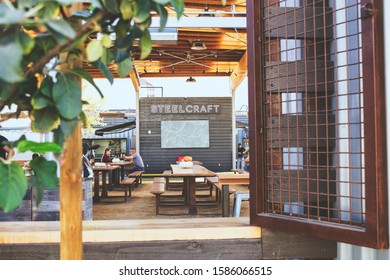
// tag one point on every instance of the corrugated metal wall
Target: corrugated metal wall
(218, 157)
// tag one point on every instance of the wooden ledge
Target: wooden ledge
(132, 230)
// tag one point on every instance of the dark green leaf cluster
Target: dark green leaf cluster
(14, 183)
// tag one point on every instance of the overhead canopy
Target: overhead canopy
(119, 128)
(221, 28)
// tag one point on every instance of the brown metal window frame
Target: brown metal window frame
(374, 233)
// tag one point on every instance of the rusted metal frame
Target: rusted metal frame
(256, 110)
(269, 157)
(308, 112)
(302, 46)
(280, 149)
(375, 133)
(343, 233)
(324, 6)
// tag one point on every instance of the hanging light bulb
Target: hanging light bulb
(190, 80)
(198, 45)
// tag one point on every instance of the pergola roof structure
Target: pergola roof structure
(221, 28)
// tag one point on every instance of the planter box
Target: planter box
(49, 209)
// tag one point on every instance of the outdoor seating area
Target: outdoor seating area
(151, 199)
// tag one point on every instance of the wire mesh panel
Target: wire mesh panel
(313, 96)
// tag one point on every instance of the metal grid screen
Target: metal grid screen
(314, 110)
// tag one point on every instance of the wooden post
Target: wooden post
(71, 212)
(71, 198)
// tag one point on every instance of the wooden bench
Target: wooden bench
(137, 175)
(226, 180)
(158, 188)
(127, 185)
(167, 174)
(213, 182)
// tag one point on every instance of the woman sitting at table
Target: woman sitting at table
(106, 158)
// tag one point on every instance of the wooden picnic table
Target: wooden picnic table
(104, 170)
(189, 175)
(122, 165)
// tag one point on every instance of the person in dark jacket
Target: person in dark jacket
(106, 158)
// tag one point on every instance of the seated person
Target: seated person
(106, 158)
(137, 160)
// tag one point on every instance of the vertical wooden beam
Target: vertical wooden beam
(71, 216)
(71, 198)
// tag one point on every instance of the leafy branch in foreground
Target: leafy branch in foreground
(42, 47)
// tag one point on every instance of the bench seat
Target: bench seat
(127, 185)
(158, 188)
(137, 175)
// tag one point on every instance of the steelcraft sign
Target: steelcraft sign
(185, 109)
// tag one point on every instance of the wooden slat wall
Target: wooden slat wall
(217, 157)
(172, 239)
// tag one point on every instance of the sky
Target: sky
(121, 94)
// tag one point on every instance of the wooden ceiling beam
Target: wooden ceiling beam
(183, 74)
(135, 79)
(239, 73)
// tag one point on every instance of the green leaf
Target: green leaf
(45, 120)
(46, 42)
(68, 127)
(47, 87)
(86, 76)
(49, 11)
(10, 16)
(94, 50)
(46, 171)
(83, 118)
(111, 6)
(124, 68)
(127, 9)
(179, 7)
(106, 41)
(145, 44)
(67, 96)
(38, 147)
(14, 144)
(39, 102)
(13, 186)
(142, 10)
(107, 57)
(38, 189)
(11, 56)
(58, 137)
(61, 26)
(163, 16)
(26, 42)
(105, 71)
(121, 29)
(146, 24)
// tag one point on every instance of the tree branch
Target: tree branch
(37, 67)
